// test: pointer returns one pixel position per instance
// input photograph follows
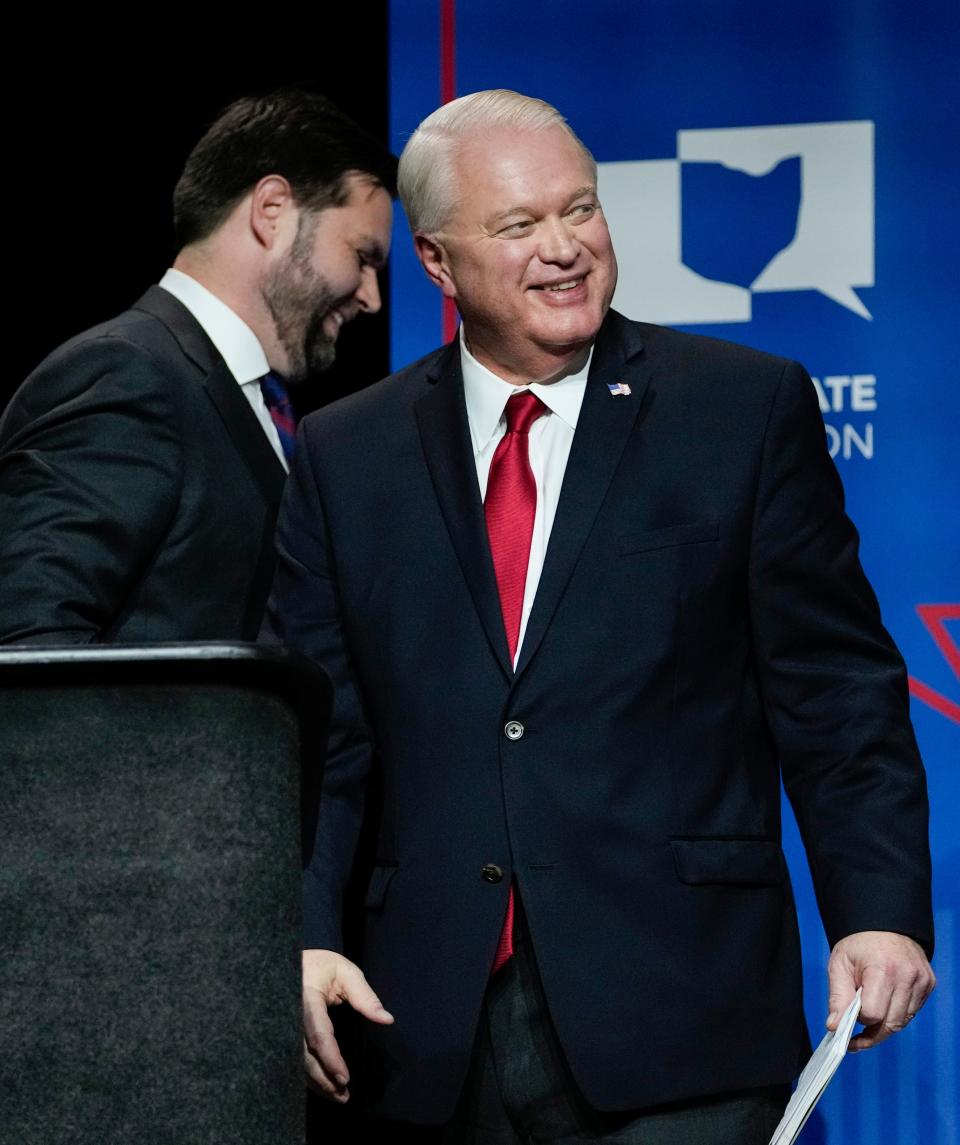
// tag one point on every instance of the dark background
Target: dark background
(99, 125)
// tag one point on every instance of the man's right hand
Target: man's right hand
(328, 980)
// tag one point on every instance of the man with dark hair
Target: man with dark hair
(141, 463)
(302, 134)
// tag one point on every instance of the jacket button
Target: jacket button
(513, 730)
(491, 873)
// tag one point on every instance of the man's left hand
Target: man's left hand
(896, 979)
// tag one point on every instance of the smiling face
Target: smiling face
(526, 252)
(327, 276)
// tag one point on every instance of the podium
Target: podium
(150, 853)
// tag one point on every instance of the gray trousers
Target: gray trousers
(519, 1090)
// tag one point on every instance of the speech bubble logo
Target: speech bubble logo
(832, 250)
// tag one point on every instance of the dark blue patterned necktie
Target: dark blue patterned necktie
(281, 411)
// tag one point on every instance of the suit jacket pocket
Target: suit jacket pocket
(737, 862)
(671, 535)
(377, 887)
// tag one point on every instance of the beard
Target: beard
(299, 298)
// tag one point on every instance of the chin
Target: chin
(572, 335)
(322, 357)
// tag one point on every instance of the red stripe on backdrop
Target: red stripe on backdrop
(932, 699)
(934, 617)
(448, 91)
(448, 50)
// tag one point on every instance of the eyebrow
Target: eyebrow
(372, 250)
(520, 209)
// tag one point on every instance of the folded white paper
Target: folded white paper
(816, 1075)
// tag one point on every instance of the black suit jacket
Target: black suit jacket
(138, 492)
(702, 624)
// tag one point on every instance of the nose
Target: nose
(368, 292)
(557, 242)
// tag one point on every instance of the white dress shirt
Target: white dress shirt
(551, 436)
(235, 341)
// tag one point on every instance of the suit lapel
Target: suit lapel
(238, 418)
(445, 436)
(246, 432)
(603, 427)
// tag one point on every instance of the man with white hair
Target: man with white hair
(586, 590)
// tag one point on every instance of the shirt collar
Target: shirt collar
(236, 342)
(487, 395)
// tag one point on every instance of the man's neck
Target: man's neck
(543, 368)
(230, 284)
(201, 268)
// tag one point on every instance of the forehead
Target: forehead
(367, 203)
(364, 221)
(508, 167)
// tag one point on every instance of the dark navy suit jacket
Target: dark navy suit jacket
(702, 625)
(138, 492)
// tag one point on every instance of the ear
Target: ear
(272, 210)
(433, 259)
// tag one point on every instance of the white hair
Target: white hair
(425, 179)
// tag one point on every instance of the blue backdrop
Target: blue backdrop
(787, 177)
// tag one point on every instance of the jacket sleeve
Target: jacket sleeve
(834, 687)
(90, 472)
(304, 614)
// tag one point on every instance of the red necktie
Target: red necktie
(510, 507)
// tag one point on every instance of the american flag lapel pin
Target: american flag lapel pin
(619, 389)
